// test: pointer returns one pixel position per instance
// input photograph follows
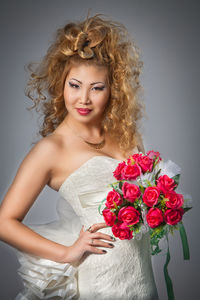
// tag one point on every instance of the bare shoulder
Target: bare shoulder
(138, 148)
(47, 145)
(47, 152)
(140, 144)
(42, 153)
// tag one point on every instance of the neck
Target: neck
(86, 130)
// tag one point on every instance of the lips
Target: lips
(83, 111)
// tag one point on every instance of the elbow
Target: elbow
(3, 227)
(6, 227)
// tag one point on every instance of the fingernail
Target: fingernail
(104, 251)
(114, 239)
(111, 245)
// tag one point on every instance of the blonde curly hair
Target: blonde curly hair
(97, 41)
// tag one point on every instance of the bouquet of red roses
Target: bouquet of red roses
(145, 198)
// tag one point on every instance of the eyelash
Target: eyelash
(76, 86)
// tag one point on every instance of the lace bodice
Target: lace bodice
(87, 186)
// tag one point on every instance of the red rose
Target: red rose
(146, 163)
(117, 173)
(153, 155)
(151, 195)
(174, 200)
(131, 172)
(109, 216)
(121, 231)
(113, 197)
(173, 216)
(129, 215)
(154, 217)
(133, 158)
(165, 184)
(130, 191)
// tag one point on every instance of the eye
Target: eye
(73, 85)
(99, 88)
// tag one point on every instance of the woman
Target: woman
(88, 85)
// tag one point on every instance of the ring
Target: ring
(89, 229)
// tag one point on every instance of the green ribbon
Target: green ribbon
(168, 280)
(186, 255)
(186, 251)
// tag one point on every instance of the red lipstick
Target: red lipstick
(83, 111)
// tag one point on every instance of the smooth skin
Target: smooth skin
(52, 160)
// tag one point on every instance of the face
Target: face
(86, 92)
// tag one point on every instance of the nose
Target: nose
(84, 96)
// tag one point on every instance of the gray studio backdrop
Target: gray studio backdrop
(168, 34)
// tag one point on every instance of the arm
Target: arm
(31, 177)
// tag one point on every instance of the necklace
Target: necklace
(93, 145)
(98, 145)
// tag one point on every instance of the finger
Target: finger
(82, 229)
(103, 224)
(98, 226)
(96, 250)
(101, 244)
(100, 235)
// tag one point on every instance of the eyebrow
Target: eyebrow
(90, 83)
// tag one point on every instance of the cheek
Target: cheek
(68, 96)
(103, 98)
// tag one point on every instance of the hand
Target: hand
(87, 241)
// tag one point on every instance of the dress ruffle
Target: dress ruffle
(47, 279)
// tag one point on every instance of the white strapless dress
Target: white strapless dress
(123, 273)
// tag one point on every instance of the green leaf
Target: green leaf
(120, 184)
(156, 234)
(186, 209)
(116, 207)
(142, 188)
(176, 179)
(118, 191)
(156, 176)
(157, 158)
(99, 207)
